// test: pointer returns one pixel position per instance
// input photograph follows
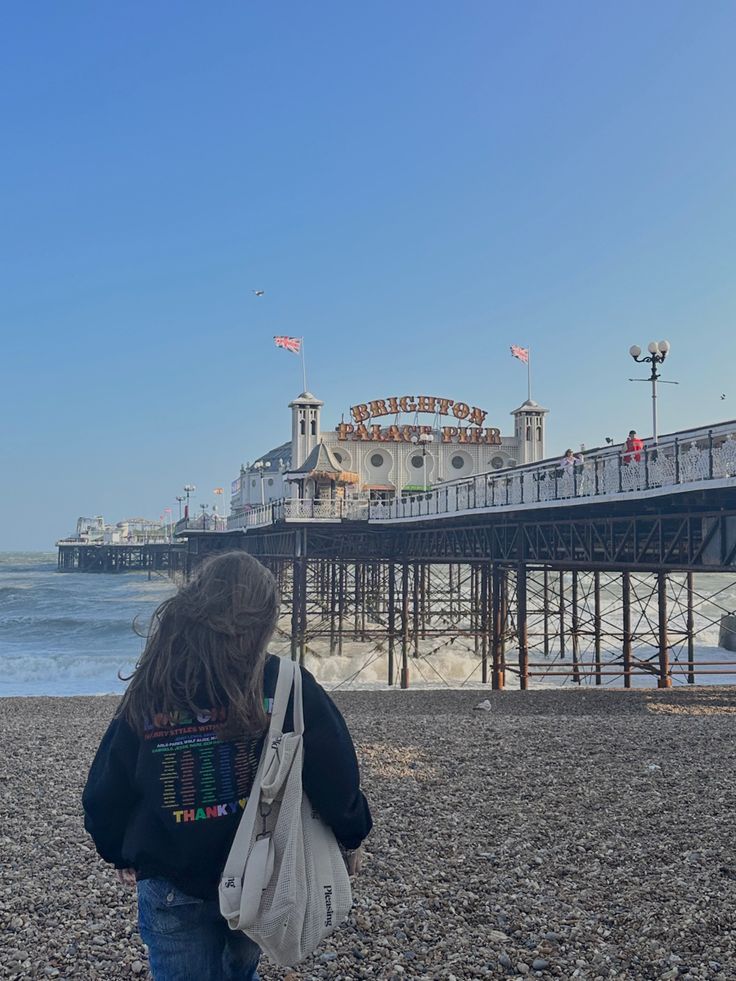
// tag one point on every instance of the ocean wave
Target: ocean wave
(50, 674)
(52, 632)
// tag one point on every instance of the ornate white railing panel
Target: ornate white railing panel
(685, 458)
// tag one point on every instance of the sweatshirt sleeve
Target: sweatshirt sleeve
(110, 795)
(331, 776)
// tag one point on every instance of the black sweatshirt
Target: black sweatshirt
(167, 802)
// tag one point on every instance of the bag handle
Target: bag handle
(288, 672)
(289, 676)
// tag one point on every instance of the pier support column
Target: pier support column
(690, 627)
(626, 617)
(521, 627)
(497, 678)
(391, 621)
(561, 611)
(575, 630)
(299, 599)
(597, 625)
(332, 605)
(417, 570)
(545, 611)
(664, 680)
(404, 624)
(484, 620)
(295, 600)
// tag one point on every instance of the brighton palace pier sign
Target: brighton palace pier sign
(469, 427)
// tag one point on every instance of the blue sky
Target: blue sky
(415, 186)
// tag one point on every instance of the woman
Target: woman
(570, 461)
(173, 772)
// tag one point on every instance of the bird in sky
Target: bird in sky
(723, 395)
(259, 292)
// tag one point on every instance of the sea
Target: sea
(81, 634)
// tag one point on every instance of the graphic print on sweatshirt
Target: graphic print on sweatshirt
(202, 777)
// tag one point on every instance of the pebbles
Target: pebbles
(558, 835)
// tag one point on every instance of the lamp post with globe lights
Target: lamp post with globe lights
(423, 439)
(658, 351)
(188, 490)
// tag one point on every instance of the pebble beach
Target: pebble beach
(560, 834)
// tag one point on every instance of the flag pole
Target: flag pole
(529, 373)
(304, 367)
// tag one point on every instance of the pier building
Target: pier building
(386, 448)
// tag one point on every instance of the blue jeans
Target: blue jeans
(189, 940)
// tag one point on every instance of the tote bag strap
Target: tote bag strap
(288, 672)
(243, 836)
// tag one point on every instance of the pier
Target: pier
(598, 575)
(164, 557)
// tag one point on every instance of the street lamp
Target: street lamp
(204, 516)
(188, 489)
(180, 500)
(423, 439)
(658, 351)
(260, 466)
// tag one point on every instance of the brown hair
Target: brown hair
(206, 647)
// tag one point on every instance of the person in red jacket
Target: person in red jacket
(634, 447)
(173, 772)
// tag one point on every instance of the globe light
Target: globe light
(664, 347)
(635, 351)
(652, 347)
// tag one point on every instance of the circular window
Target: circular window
(417, 461)
(497, 462)
(337, 456)
(270, 481)
(458, 462)
(377, 460)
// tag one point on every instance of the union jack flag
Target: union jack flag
(288, 343)
(522, 353)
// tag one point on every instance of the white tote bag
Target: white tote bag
(285, 883)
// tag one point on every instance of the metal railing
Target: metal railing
(292, 509)
(202, 522)
(689, 457)
(340, 509)
(265, 514)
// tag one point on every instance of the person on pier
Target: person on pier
(570, 462)
(634, 448)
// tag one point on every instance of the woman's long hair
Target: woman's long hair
(206, 647)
